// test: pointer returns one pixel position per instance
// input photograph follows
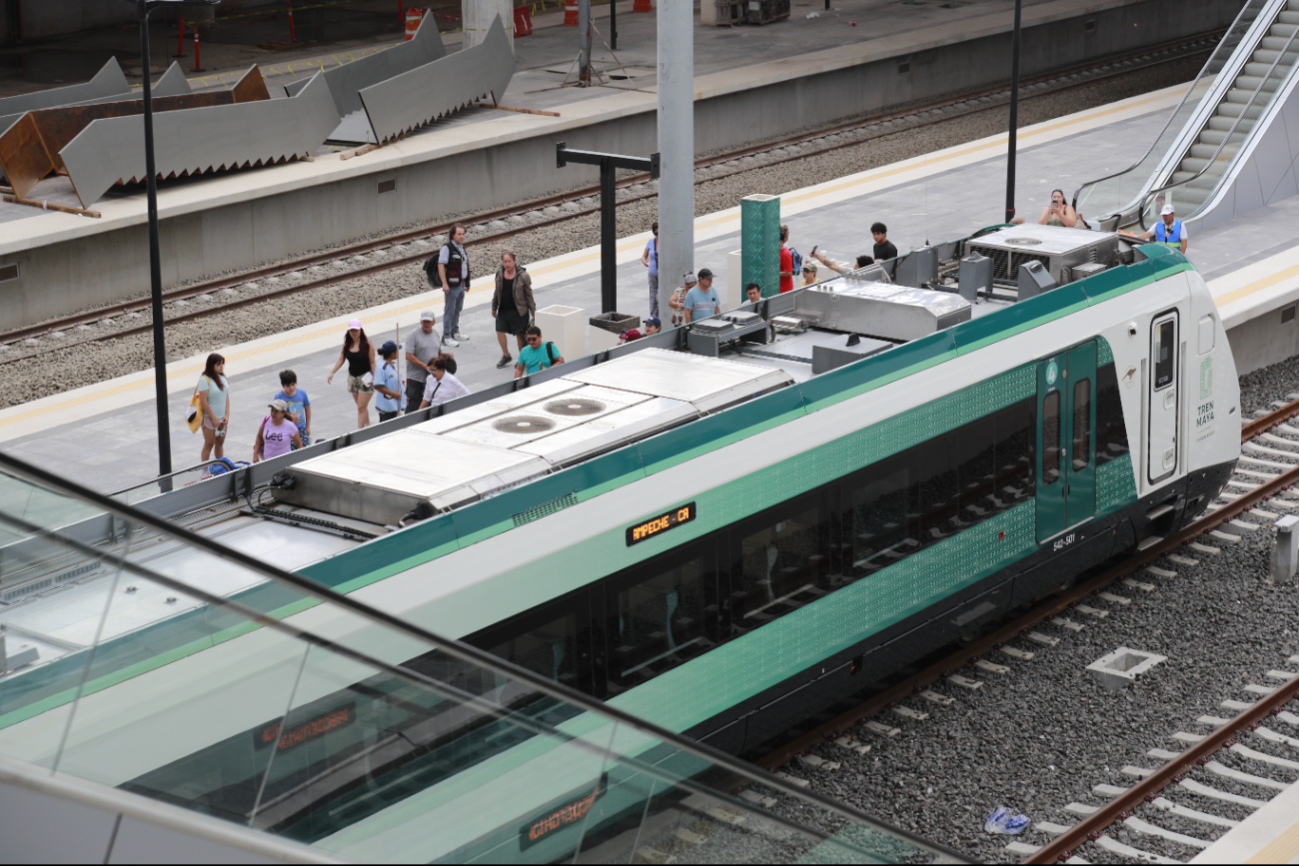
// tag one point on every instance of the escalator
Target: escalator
(1224, 150)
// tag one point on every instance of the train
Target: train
(722, 529)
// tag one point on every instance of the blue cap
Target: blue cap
(387, 348)
(653, 320)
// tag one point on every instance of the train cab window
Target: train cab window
(661, 617)
(1080, 447)
(1165, 336)
(1051, 438)
(881, 524)
(784, 564)
(1111, 431)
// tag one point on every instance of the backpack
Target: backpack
(550, 352)
(431, 270)
(798, 262)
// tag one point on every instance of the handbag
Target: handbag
(194, 416)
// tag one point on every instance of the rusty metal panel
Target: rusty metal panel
(23, 158)
(108, 82)
(413, 99)
(346, 81)
(250, 88)
(200, 140)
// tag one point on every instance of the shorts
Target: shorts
(356, 385)
(387, 416)
(513, 322)
(208, 425)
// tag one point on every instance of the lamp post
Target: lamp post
(155, 256)
(1014, 114)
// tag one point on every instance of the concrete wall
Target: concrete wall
(1267, 338)
(47, 18)
(102, 265)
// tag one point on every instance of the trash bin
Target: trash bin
(606, 327)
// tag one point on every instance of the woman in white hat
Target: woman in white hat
(358, 354)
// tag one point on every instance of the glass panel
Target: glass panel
(1051, 439)
(1165, 343)
(1081, 449)
(1111, 431)
(938, 487)
(555, 642)
(783, 566)
(326, 726)
(661, 618)
(883, 516)
(976, 464)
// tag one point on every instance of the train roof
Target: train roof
(338, 511)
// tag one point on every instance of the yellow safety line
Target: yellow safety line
(1282, 849)
(594, 256)
(1257, 286)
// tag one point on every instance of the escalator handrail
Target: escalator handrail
(1141, 209)
(1171, 116)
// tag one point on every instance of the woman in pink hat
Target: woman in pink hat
(358, 354)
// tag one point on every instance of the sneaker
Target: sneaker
(461, 337)
(449, 343)
(504, 362)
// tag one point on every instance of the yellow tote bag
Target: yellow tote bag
(194, 415)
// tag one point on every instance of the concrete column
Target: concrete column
(760, 242)
(1285, 556)
(478, 16)
(676, 138)
(584, 42)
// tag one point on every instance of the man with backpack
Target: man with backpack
(536, 356)
(791, 262)
(449, 271)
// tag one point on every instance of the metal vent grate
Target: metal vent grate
(524, 425)
(544, 510)
(577, 406)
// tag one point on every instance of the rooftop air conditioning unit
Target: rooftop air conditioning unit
(1060, 250)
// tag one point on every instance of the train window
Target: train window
(1111, 432)
(975, 452)
(1051, 438)
(1081, 447)
(938, 486)
(553, 641)
(1165, 343)
(661, 619)
(1016, 437)
(784, 564)
(881, 522)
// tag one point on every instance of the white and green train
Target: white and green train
(721, 529)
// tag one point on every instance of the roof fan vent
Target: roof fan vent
(575, 406)
(1024, 242)
(524, 425)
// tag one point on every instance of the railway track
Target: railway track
(1258, 486)
(360, 260)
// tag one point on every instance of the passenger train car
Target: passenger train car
(721, 529)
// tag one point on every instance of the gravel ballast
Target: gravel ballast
(51, 371)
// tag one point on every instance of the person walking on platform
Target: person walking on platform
(678, 300)
(387, 384)
(650, 259)
(788, 265)
(358, 354)
(702, 300)
(453, 270)
(299, 411)
(1058, 212)
(214, 403)
(537, 356)
(1169, 231)
(884, 249)
(422, 342)
(278, 435)
(513, 307)
(442, 385)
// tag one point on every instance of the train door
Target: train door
(1161, 441)
(1066, 440)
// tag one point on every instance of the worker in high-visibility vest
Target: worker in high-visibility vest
(1169, 231)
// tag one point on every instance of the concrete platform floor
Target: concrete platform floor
(105, 432)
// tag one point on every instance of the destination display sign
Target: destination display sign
(305, 732)
(569, 811)
(658, 525)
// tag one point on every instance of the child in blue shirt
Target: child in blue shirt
(387, 384)
(299, 406)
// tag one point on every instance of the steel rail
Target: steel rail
(1070, 598)
(205, 288)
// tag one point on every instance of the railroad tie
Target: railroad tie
(1163, 804)
(852, 745)
(1116, 847)
(1148, 829)
(818, 763)
(935, 698)
(1264, 758)
(882, 729)
(1273, 737)
(1016, 653)
(1038, 637)
(965, 682)
(1204, 548)
(1118, 599)
(1283, 676)
(1237, 776)
(1138, 585)
(1137, 772)
(1092, 611)
(1067, 623)
(991, 667)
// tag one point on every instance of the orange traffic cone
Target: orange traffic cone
(413, 18)
(570, 13)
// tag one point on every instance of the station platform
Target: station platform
(1269, 835)
(844, 62)
(104, 432)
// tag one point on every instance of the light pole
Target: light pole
(155, 256)
(1014, 114)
